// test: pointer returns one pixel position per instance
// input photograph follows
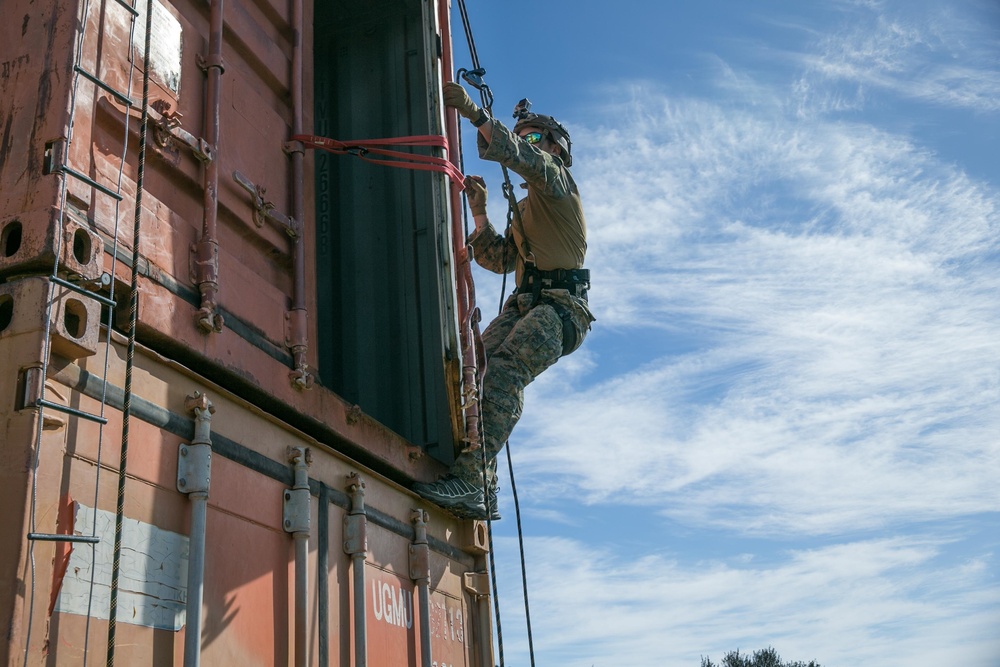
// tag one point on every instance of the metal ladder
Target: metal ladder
(84, 82)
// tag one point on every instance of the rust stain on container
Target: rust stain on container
(68, 187)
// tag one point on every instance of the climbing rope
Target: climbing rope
(475, 78)
(130, 354)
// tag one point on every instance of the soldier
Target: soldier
(547, 315)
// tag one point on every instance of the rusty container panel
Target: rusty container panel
(263, 268)
(249, 577)
(227, 302)
(36, 49)
(393, 609)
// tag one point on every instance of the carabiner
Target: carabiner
(474, 77)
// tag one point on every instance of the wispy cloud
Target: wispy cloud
(797, 343)
(592, 606)
(837, 282)
(939, 53)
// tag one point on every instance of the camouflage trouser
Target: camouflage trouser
(520, 343)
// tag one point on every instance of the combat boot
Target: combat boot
(454, 494)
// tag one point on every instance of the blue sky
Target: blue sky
(783, 429)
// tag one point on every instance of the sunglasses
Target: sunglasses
(532, 137)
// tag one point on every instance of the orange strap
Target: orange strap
(365, 147)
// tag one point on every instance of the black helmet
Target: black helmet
(555, 129)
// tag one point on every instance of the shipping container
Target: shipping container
(225, 356)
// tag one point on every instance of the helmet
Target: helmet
(555, 129)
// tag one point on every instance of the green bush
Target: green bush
(765, 658)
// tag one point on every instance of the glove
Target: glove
(455, 96)
(475, 191)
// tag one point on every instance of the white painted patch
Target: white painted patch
(152, 580)
(165, 44)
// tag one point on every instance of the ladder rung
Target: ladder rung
(129, 8)
(50, 537)
(122, 97)
(42, 403)
(91, 182)
(85, 292)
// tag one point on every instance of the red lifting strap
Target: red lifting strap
(365, 147)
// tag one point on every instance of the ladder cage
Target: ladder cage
(81, 305)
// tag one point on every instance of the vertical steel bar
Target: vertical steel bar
(196, 579)
(323, 567)
(485, 631)
(299, 338)
(425, 625)
(420, 573)
(298, 523)
(194, 475)
(356, 545)
(207, 250)
(360, 613)
(301, 599)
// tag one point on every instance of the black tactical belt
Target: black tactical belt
(575, 281)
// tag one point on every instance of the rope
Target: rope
(486, 97)
(520, 544)
(130, 355)
(362, 148)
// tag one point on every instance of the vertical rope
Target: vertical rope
(489, 509)
(486, 97)
(130, 355)
(520, 544)
(489, 536)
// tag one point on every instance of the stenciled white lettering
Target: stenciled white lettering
(376, 598)
(405, 601)
(394, 606)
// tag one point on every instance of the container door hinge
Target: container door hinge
(356, 522)
(420, 553)
(194, 468)
(295, 508)
(194, 461)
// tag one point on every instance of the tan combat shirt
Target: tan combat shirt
(552, 214)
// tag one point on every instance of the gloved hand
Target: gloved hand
(455, 96)
(475, 190)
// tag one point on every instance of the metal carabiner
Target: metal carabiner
(475, 79)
